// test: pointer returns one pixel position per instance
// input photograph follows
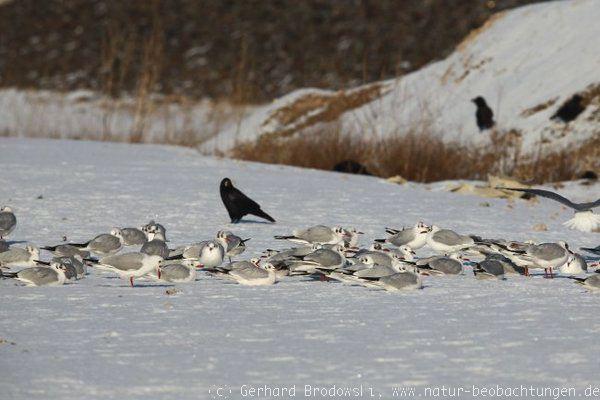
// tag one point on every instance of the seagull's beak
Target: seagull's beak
(158, 273)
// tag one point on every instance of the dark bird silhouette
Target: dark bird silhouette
(484, 114)
(238, 204)
(351, 167)
(570, 109)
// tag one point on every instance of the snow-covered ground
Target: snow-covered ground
(99, 339)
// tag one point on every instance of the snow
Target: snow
(98, 338)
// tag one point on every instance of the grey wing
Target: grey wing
(447, 266)
(546, 251)
(319, 233)
(156, 248)
(13, 256)
(133, 236)
(123, 262)
(402, 237)
(7, 220)
(105, 241)
(377, 271)
(194, 250)
(249, 272)
(554, 196)
(38, 275)
(448, 237)
(324, 257)
(175, 271)
(400, 280)
(493, 267)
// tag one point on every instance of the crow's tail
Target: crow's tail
(260, 213)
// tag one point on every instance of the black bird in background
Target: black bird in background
(238, 204)
(570, 109)
(484, 114)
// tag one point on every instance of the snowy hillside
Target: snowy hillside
(98, 338)
(526, 62)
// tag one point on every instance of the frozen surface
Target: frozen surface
(99, 338)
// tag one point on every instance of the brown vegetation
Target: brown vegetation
(315, 108)
(421, 157)
(247, 51)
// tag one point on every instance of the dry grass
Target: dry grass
(315, 108)
(421, 157)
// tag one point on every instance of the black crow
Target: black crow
(484, 114)
(238, 204)
(570, 109)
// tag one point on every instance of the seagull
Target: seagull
(8, 221)
(441, 265)
(249, 273)
(546, 256)
(489, 268)
(130, 265)
(133, 236)
(238, 204)
(316, 234)
(592, 282)
(208, 253)
(584, 220)
(40, 276)
(66, 250)
(182, 272)
(74, 266)
(320, 260)
(575, 264)
(404, 280)
(105, 244)
(274, 256)
(255, 276)
(447, 241)
(233, 245)
(351, 236)
(414, 237)
(595, 250)
(153, 226)
(18, 257)
(156, 246)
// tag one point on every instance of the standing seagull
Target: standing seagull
(238, 204)
(130, 265)
(8, 221)
(484, 114)
(584, 220)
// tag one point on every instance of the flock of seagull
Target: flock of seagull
(321, 252)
